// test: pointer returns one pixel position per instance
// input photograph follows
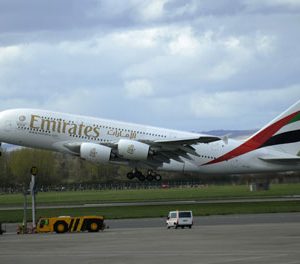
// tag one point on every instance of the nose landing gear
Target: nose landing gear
(151, 175)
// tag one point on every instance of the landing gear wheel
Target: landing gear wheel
(130, 175)
(149, 178)
(140, 176)
(150, 175)
(157, 177)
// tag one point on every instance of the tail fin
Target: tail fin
(282, 133)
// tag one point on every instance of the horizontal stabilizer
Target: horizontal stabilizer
(281, 158)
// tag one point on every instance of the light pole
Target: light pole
(34, 172)
(25, 192)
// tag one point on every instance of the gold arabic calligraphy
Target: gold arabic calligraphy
(121, 133)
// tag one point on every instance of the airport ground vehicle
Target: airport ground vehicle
(180, 219)
(64, 224)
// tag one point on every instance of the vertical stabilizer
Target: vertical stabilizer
(282, 133)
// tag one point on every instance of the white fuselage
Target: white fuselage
(52, 130)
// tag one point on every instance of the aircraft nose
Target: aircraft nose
(1, 130)
(1, 118)
(5, 122)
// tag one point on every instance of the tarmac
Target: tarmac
(268, 238)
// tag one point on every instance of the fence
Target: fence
(109, 186)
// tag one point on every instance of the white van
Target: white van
(180, 219)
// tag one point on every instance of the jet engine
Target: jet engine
(133, 150)
(95, 153)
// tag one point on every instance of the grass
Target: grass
(205, 193)
(160, 210)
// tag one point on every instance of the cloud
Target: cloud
(138, 88)
(192, 65)
(231, 106)
(184, 44)
(272, 6)
(9, 54)
(74, 18)
(153, 9)
(208, 57)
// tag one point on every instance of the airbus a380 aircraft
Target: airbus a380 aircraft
(274, 148)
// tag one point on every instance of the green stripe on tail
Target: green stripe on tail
(295, 118)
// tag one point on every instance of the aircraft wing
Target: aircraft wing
(161, 151)
(176, 149)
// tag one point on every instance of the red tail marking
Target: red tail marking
(254, 142)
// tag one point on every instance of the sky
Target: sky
(182, 64)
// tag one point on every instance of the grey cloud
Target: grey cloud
(34, 15)
(203, 8)
(56, 15)
(38, 20)
(84, 57)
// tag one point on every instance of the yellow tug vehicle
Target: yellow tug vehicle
(63, 224)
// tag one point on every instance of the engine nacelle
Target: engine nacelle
(133, 150)
(95, 153)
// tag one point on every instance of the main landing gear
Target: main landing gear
(151, 175)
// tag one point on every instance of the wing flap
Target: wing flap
(179, 148)
(188, 141)
(161, 151)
